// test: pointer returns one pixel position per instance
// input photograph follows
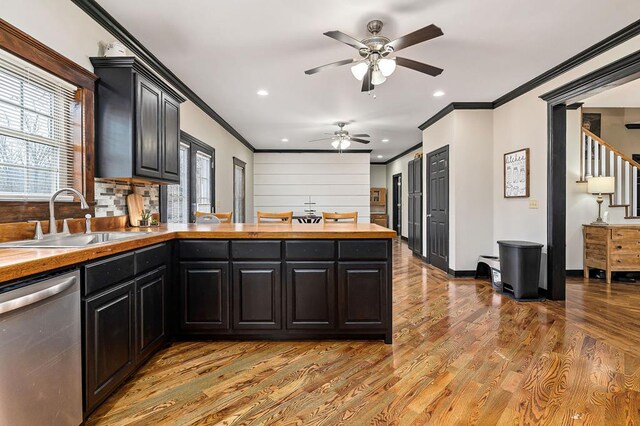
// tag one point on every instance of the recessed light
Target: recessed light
(379, 156)
(385, 140)
(262, 92)
(438, 93)
(284, 140)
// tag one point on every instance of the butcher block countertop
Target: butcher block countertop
(21, 262)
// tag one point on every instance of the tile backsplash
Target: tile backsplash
(111, 197)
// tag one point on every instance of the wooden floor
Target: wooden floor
(461, 355)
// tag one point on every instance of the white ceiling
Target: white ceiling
(226, 50)
(624, 96)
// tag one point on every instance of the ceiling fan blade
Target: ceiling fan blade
(367, 86)
(321, 139)
(423, 34)
(361, 135)
(419, 66)
(358, 140)
(327, 66)
(346, 39)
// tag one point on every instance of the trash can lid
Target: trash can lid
(520, 244)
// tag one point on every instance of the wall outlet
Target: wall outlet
(533, 203)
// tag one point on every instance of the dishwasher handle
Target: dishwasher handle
(31, 298)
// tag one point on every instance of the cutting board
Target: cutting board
(135, 205)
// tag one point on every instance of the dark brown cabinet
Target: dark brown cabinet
(125, 317)
(137, 122)
(109, 341)
(257, 295)
(311, 295)
(204, 296)
(362, 295)
(151, 312)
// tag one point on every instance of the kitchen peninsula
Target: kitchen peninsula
(225, 281)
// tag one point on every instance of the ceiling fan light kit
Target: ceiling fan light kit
(374, 67)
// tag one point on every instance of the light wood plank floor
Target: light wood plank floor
(461, 355)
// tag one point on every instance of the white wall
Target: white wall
(614, 131)
(469, 135)
(522, 123)
(401, 165)
(62, 26)
(335, 182)
(378, 176)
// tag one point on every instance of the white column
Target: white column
(596, 155)
(583, 152)
(634, 191)
(588, 157)
(618, 195)
(627, 198)
(612, 170)
(603, 160)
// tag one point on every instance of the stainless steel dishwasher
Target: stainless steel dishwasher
(40, 351)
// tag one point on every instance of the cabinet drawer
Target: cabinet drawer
(105, 273)
(255, 250)
(150, 258)
(206, 250)
(310, 250)
(595, 233)
(625, 234)
(625, 261)
(363, 250)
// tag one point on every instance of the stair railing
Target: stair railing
(598, 158)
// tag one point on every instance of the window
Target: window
(196, 189)
(37, 125)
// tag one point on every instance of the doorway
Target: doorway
(397, 204)
(239, 190)
(438, 208)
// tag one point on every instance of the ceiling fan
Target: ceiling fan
(342, 139)
(375, 66)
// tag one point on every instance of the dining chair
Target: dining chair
(202, 217)
(337, 217)
(268, 217)
(224, 217)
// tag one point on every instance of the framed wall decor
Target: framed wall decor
(516, 174)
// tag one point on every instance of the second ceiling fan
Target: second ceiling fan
(375, 66)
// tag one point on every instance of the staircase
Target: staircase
(601, 159)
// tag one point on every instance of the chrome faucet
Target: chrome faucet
(53, 229)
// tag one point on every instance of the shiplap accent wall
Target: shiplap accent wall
(335, 182)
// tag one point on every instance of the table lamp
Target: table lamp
(599, 185)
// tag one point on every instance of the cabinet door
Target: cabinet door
(417, 224)
(148, 130)
(362, 295)
(204, 296)
(151, 315)
(109, 341)
(170, 139)
(257, 300)
(410, 227)
(310, 295)
(417, 175)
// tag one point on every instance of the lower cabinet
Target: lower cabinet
(362, 295)
(151, 312)
(109, 336)
(311, 295)
(204, 296)
(257, 296)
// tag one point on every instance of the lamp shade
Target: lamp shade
(345, 144)
(387, 66)
(359, 70)
(601, 185)
(335, 144)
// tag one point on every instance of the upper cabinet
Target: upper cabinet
(137, 123)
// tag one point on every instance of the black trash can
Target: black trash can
(520, 268)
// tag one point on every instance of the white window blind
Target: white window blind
(37, 129)
(203, 182)
(178, 195)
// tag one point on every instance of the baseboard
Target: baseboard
(543, 292)
(402, 237)
(461, 274)
(574, 272)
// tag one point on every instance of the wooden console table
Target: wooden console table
(611, 248)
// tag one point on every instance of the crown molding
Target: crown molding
(402, 154)
(317, 151)
(451, 107)
(108, 22)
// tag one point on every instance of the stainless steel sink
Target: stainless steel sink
(73, 240)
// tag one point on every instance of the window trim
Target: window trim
(192, 142)
(25, 47)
